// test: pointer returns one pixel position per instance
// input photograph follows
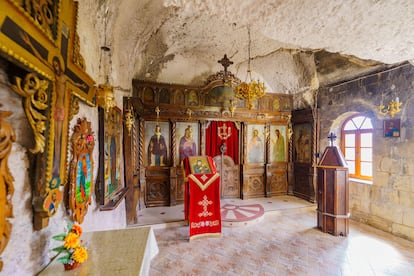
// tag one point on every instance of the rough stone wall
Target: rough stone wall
(387, 203)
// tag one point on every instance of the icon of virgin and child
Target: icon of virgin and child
(187, 145)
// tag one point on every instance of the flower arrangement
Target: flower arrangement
(75, 252)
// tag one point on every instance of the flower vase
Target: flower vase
(71, 266)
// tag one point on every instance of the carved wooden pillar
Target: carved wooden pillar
(267, 177)
(204, 126)
(173, 169)
(131, 171)
(142, 180)
(244, 182)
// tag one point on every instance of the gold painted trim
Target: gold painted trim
(209, 235)
(203, 186)
(34, 92)
(7, 137)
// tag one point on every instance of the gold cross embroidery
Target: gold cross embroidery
(205, 202)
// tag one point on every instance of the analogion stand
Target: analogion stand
(202, 197)
(333, 192)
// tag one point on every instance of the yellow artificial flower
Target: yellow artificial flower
(71, 240)
(77, 229)
(80, 255)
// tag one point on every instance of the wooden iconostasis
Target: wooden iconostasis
(175, 121)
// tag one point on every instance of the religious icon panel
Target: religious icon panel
(255, 143)
(110, 159)
(188, 140)
(278, 144)
(81, 169)
(157, 143)
(199, 164)
(303, 143)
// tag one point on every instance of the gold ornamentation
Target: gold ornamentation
(41, 13)
(7, 137)
(33, 90)
(205, 185)
(33, 36)
(44, 14)
(77, 57)
(189, 112)
(105, 97)
(129, 117)
(232, 108)
(81, 169)
(157, 110)
(224, 132)
(251, 90)
(205, 202)
(74, 107)
(392, 108)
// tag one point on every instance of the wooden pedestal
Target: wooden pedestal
(333, 197)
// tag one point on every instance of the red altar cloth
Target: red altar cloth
(202, 203)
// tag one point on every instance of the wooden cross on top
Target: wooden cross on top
(332, 138)
(158, 110)
(225, 62)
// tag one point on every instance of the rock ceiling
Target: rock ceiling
(295, 44)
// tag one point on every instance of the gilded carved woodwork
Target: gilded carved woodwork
(7, 137)
(35, 102)
(40, 38)
(81, 170)
(74, 108)
(208, 102)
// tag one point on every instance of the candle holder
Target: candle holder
(392, 108)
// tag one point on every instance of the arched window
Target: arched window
(356, 144)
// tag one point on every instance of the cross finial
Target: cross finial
(189, 112)
(157, 110)
(225, 62)
(332, 138)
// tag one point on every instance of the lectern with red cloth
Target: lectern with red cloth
(202, 197)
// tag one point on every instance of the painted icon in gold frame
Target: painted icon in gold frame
(81, 169)
(199, 164)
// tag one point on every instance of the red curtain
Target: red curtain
(213, 142)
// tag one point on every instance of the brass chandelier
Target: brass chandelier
(253, 89)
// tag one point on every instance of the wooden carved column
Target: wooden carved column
(267, 161)
(244, 182)
(7, 137)
(131, 162)
(142, 178)
(204, 126)
(173, 169)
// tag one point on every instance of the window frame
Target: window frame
(357, 132)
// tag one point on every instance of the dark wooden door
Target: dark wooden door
(305, 139)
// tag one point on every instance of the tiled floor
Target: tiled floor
(161, 217)
(285, 242)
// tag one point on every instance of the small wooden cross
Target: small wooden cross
(332, 138)
(225, 62)
(157, 110)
